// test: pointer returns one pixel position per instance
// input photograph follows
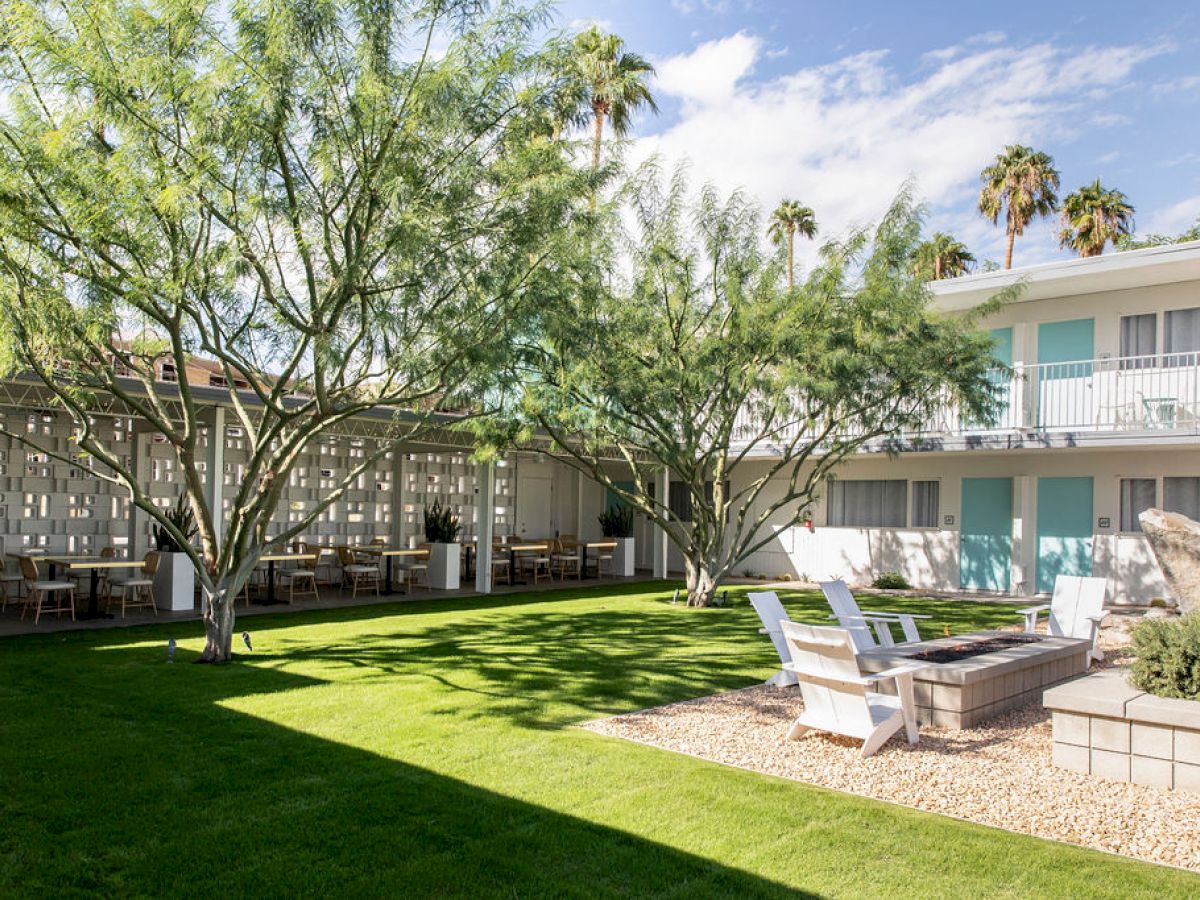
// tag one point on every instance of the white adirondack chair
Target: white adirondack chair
(771, 611)
(838, 697)
(1076, 610)
(860, 622)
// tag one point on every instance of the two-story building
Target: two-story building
(1100, 420)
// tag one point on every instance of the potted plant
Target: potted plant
(616, 523)
(175, 579)
(442, 529)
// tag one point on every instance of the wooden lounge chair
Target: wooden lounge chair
(772, 613)
(1076, 610)
(838, 698)
(860, 622)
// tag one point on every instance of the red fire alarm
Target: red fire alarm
(808, 521)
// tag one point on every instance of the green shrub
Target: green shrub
(1168, 657)
(891, 581)
(442, 526)
(617, 522)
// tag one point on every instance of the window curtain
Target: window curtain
(1137, 496)
(1138, 339)
(925, 498)
(867, 504)
(1182, 495)
(1181, 335)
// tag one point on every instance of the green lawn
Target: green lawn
(427, 748)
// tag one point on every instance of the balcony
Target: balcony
(1110, 400)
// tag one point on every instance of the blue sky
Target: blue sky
(835, 103)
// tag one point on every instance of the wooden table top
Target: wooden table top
(284, 557)
(413, 552)
(104, 564)
(513, 548)
(600, 545)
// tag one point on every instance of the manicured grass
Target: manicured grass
(427, 749)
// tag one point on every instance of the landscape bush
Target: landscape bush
(1167, 654)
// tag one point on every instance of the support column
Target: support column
(138, 545)
(214, 467)
(662, 486)
(579, 505)
(485, 520)
(396, 535)
(1024, 535)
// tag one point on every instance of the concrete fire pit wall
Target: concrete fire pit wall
(1106, 728)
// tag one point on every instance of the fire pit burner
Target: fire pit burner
(967, 649)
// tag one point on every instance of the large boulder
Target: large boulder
(1175, 540)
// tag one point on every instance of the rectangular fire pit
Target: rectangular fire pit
(972, 677)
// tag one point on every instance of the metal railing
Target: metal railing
(1151, 395)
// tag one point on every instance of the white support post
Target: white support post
(141, 474)
(662, 485)
(214, 467)
(485, 520)
(1024, 535)
(579, 504)
(398, 473)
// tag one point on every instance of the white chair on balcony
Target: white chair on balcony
(860, 622)
(838, 698)
(772, 614)
(1076, 610)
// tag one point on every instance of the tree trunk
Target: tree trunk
(1012, 237)
(791, 255)
(218, 626)
(701, 585)
(597, 137)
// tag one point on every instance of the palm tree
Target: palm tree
(1023, 181)
(1094, 216)
(615, 83)
(788, 220)
(942, 256)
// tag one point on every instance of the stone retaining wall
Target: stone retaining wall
(1106, 728)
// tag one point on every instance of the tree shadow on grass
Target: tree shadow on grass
(125, 775)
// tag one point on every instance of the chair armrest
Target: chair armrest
(909, 668)
(896, 615)
(1033, 609)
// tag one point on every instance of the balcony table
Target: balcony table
(388, 555)
(1159, 412)
(270, 559)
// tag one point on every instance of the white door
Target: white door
(535, 499)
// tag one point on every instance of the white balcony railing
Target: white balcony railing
(1150, 395)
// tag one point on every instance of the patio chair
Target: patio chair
(12, 584)
(838, 698)
(137, 591)
(304, 575)
(1076, 610)
(500, 566)
(61, 594)
(420, 566)
(536, 562)
(860, 622)
(564, 558)
(772, 613)
(356, 574)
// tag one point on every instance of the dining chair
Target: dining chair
(60, 594)
(137, 591)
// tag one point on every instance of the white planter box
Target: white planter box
(175, 582)
(623, 557)
(443, 566)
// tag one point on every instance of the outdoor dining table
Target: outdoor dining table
(513, 550)
(594, 545)
(270, 559)
(388, 555)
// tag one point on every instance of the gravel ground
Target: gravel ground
(998, 775)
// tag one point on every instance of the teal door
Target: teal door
(1002, 350)
(985, 534)
(1064, 529)
(1064, 346)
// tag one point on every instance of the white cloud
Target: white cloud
(843, 137)
(1172, 219)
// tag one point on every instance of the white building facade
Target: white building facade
(1100, 420)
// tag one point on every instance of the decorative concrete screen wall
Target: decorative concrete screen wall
(54, 505)
(450, 478)
(1106, 728)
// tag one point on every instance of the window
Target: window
(680, 501)
(1182, 495)
(1137, 496)
(167, 373)
(1181, 335)
(925, 500)
(1138, 338)
(867, 504)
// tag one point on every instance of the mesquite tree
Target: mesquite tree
(346, 207)
(695, 358)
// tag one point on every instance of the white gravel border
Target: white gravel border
(998, 774)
